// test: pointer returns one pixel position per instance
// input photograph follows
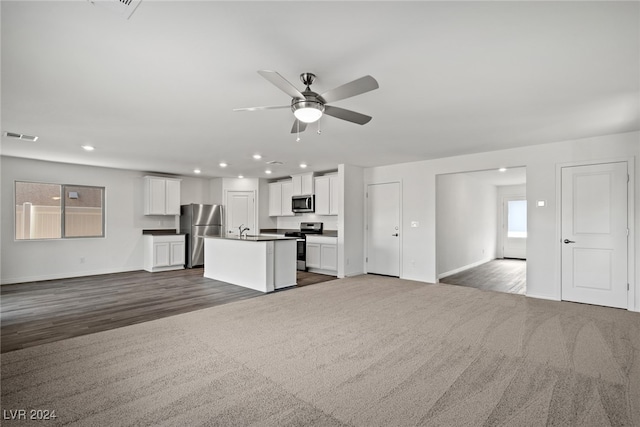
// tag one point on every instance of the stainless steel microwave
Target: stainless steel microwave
(303, 203)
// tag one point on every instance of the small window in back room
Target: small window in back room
(517, 218)
(54, 211)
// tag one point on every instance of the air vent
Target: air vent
(21, 136)
(275, 162)
(124, 8)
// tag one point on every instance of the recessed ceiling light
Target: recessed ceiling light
(303, 165)
(268, 172)
(197, 171)
(223, 165)
(257, 156)
(240, 176)
(502, 170)
(88, 147)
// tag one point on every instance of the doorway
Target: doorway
(383, 229)
(241, 211)
(594, 234)
(481, 229)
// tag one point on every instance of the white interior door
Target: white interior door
(514, 227)
(383, 229)
(241, 211)
(594, 234)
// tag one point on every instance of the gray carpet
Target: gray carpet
(363, 351)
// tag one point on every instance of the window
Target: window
(517, 218)
(55, 211)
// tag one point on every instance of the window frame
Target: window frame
(63, 193)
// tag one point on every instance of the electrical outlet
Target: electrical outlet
(415, 224)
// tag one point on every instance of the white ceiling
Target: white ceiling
(156, 92)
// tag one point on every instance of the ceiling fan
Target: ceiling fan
(308, 106)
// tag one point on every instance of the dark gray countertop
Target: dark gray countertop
(330, 233)
(251, 238)
(163, 232)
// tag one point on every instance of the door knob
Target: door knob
(566, 241)
(395, 235)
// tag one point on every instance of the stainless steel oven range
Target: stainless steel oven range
(305, 228)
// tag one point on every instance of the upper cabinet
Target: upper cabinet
(302, 184)
(280, 198)
(327, 195)
(161, 196)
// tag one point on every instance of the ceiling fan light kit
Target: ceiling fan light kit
(308, 106)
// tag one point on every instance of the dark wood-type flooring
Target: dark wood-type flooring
(501, 275)
(40, 312)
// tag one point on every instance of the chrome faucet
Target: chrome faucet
(242, 230)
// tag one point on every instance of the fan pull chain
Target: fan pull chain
(319, 131)
(298, 130)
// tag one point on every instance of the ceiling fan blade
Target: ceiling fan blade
(348, 115)
(298, 126)
(282, 83)
(268, 107)
(347, 90)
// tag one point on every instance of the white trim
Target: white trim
(546, 297)
(466, 267)
(67, 275)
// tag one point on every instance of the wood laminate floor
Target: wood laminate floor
(41, 312)
(501, 275)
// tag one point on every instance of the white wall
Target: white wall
(466, 223)
(120, 250)
(351, 221)
(419, 188)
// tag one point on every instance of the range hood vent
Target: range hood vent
(124, 8)
(21, 136)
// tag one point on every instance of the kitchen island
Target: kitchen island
(263, 263)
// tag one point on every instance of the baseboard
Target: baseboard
(26, 279)
(466, 267)
(547, 297)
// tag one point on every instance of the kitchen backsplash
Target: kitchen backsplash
(293, 222)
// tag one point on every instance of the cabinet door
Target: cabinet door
(275, 199)
(307, 184)
(161, 254)
(313, 255)
(322, 195)
(177, 253)
(172, 202)
(297, 185)
(329, 257)
(287, 192)
(156, 198)
(334, 195)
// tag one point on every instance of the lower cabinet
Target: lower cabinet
(322, 254)
(164, 252)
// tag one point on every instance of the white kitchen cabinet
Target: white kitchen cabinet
(327, 195)
(164, 252)
(322, 254)
(280, 198)
(161, 196)
(313, 255)
(302, 184)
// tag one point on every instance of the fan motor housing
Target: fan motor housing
(313, 100)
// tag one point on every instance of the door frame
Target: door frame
(256, 208)
(503, 222)
(631, 240)
(366, 224)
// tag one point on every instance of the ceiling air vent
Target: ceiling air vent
(21, 136)
(274, 162)
(124, 8)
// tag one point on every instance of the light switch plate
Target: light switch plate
(541, 203)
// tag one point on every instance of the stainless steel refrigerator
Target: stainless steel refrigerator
(197, 221)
